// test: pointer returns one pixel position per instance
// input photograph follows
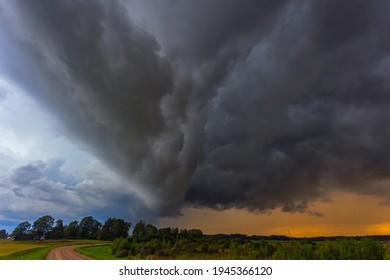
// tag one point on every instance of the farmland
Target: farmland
(149, 242)
(206, 248)
(235, 249)
(34, 250)
(8, 247)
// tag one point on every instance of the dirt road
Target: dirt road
(66, 253)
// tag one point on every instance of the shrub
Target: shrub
(329, 251)
(120, 247)
(349, 249)
(264, 250)
(372, 249)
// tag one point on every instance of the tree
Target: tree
(42, 226)
(139, 229)
(114, 228)
(194, 233)
(89, 228)
(170, 234)
(72, 230)
(3, 234)
(121, 228)
(151, 232)
(22, 228)
(57, 231)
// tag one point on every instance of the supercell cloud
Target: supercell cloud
(224, 104)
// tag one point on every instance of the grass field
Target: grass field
(387, 246)
(34, 250)
(100, 252)
(37, 250)
(11, 247)
(103, 252)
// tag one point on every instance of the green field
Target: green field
(100, 252)
(8, 247)
(37, 250)
(34, 250)
(256, 250)
(387, 246)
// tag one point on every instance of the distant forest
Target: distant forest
(149, 242)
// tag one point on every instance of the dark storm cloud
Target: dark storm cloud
(245, 104)
(317, 117)
(97, 71)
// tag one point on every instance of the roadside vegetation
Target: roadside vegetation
(148, 242)
(100, 252)
(387, 254)
(34, 241)
(36, 249)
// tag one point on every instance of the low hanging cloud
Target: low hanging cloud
(46, 186)
(251, 104)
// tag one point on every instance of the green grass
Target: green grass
(9, 247)
(99, 252)
(103, 252)
(35, 250)
(387, 246)
(38, 250)
(30, 254)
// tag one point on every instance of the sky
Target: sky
(256, 117)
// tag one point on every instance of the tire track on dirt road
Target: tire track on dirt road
(66, 253)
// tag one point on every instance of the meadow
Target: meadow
(235, 249)
(204, 249)
(387, 246)
(34, 249)
(111, 241)
(99, 252)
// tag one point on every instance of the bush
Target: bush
(146, 250)
(372, 249)
(121, 253)
(329, 251)
(348, 249)
(264, 250)
(280, 252)
(120, 247)
(387, 255)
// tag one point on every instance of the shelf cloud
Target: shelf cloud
(252, 105)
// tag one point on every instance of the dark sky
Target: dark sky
(252, 105)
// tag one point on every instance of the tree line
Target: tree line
(147, 239)
(46, 227)
(149, 242)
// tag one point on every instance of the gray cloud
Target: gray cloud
(26, 174)
(250, 104)
(3, 95)
(27, 192)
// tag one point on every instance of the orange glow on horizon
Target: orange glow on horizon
(346, 214)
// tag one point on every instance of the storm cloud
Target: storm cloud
(225, 104)
(41, 187)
